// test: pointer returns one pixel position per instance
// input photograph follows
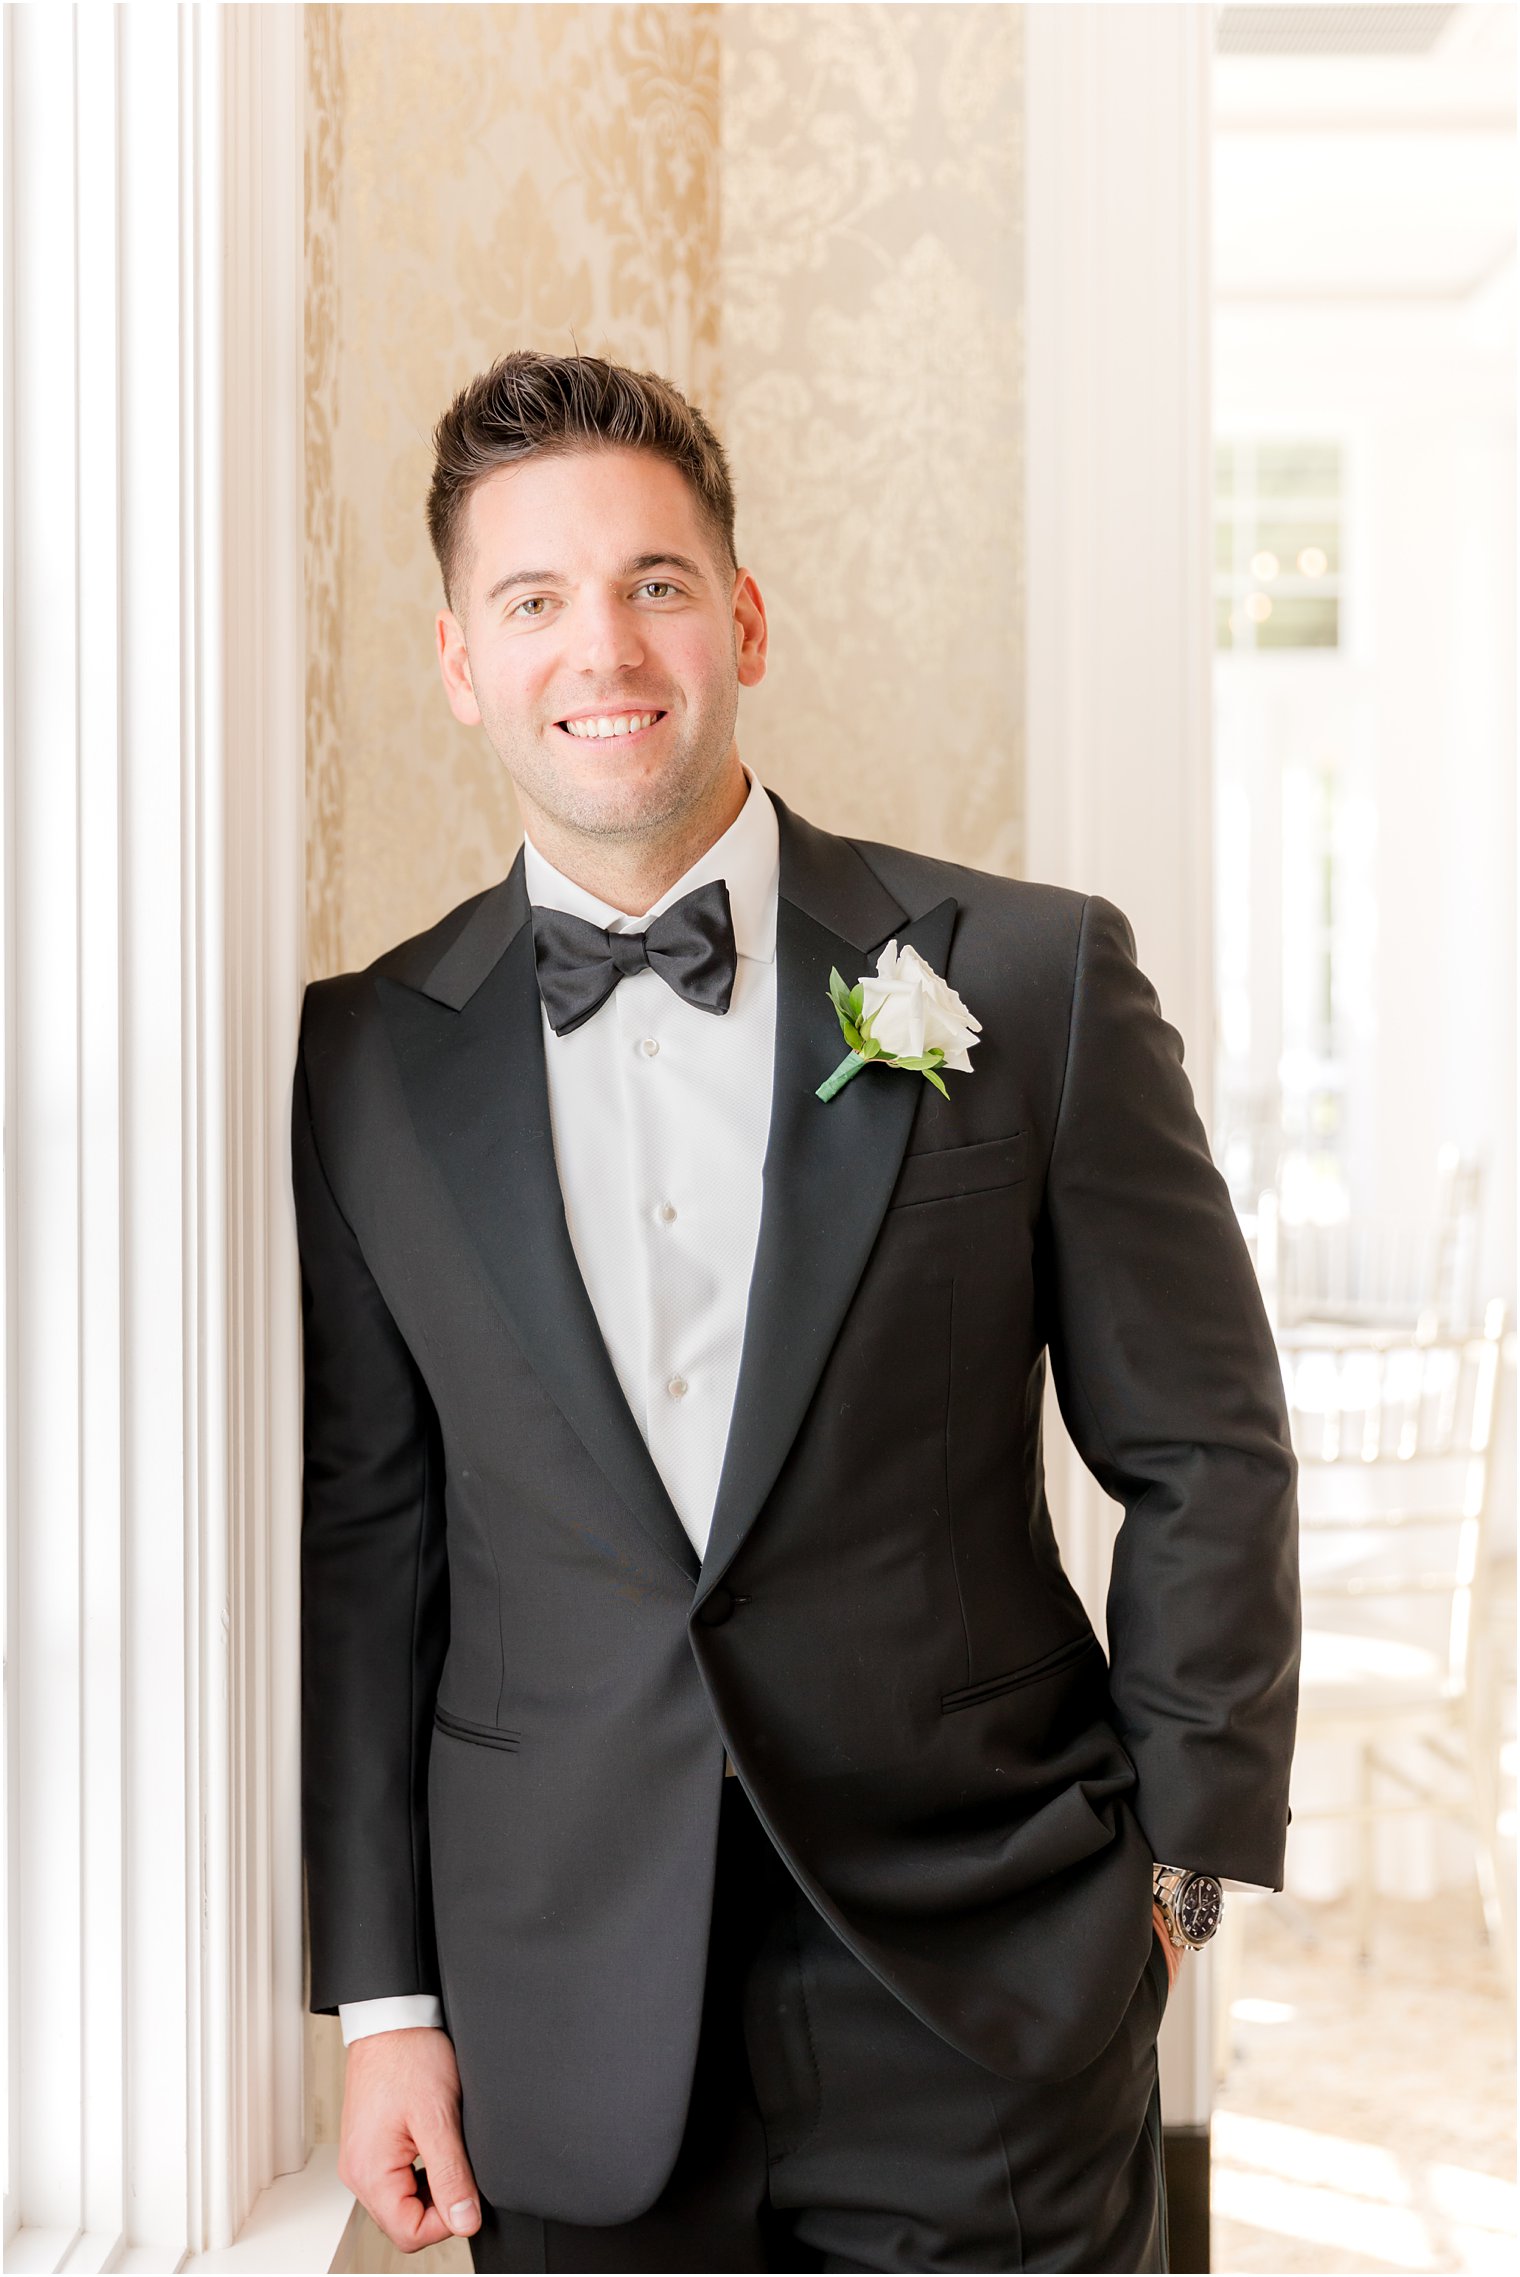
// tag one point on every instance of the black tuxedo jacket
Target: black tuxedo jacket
(518, 1682)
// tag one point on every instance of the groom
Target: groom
(727, 1845)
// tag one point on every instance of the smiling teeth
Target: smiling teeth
(620, 723)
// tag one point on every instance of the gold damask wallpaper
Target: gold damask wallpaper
(872, 391)
(500, 176)
(809, 218)
(324, 617)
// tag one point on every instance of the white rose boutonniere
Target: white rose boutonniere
(904, 1015)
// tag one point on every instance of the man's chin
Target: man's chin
(606, 800)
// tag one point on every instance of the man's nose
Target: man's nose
(604, 636)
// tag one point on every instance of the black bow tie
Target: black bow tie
(690, 945)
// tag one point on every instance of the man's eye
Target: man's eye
(539, 601)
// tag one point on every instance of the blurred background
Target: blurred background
(1121, 407)
(1364, 736)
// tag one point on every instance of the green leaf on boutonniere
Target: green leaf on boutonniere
(846, 1002)
(925, 1066)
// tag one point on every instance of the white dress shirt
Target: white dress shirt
(660, 1114)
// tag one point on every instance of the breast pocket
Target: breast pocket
(946, 1171)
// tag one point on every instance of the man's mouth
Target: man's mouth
(607, 727)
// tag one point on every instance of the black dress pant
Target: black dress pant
(829, 2128)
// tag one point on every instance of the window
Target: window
(1277, 545)
(1296, 829)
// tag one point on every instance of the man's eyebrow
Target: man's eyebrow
(630, 568)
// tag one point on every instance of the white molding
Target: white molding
(265, 653)
(61, 1216)
(1119, 629)
(154, 891)
(1119, 695)
(302, 2222)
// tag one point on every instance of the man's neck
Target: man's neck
(631, 875)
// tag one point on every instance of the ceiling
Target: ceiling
(1365, 153)
(1311, 30)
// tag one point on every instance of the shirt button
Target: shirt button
(649, 1046)
(677, 1387)
(667, 1213)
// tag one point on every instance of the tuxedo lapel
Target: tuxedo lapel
(468, 1039)
(467, 1034)
(829, 1167)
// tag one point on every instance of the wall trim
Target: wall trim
(1119, 627)
(153, 922)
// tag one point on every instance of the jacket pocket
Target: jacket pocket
(479, 1735)
(943, 1171)
(1031, 1673)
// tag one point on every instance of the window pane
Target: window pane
(1289, 539)
(1298, 470)
(1300, 623)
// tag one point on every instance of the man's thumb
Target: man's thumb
(451, 2185)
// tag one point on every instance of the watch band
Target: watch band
(1191, 1904)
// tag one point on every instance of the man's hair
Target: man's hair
(532, 406)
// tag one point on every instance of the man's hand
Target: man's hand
(1173, 1957)
(401, 2100)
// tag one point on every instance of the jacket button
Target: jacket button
(716, 1606)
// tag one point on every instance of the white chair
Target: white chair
(1393, 1432)
(1376, 1273)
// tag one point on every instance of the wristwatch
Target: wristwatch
(1191, 1905)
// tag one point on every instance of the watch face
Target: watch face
(1199, 1905)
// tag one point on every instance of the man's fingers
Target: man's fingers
(450, 2184)
(396, 2204)
(401, 2102)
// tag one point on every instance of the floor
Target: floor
(1367, 2121)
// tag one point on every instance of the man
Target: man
(727, 1846)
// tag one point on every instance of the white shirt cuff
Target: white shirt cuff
(361, 2017)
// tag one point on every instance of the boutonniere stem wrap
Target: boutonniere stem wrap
(902, 1015)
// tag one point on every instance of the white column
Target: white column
(1119, 631)
(153, 886)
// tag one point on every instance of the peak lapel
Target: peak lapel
(829, 1167)
(468, 1039)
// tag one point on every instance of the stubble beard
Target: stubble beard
(640, 808)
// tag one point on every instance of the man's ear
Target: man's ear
(454, 664)
(750, 632)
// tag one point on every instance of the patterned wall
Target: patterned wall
(504, 176)
(872, 369)
(808, 218)
(324, 615)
